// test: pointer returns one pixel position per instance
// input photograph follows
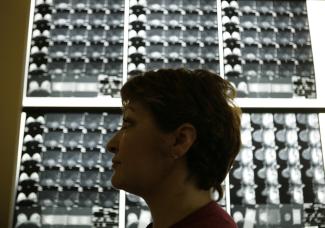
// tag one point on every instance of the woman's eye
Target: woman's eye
(126, 123)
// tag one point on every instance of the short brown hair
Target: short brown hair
(203, 99)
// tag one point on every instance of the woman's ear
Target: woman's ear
(184, 137)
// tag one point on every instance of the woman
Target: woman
(179, 138)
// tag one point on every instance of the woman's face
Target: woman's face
(141, 160)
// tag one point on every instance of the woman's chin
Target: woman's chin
(116, 182)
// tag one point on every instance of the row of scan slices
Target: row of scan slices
(87, 49)
(64, 172)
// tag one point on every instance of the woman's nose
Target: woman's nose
(113, 144)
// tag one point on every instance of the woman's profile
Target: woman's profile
(179, 138)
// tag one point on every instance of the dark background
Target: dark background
(13, 36)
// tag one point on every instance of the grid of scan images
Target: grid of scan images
(85, 48)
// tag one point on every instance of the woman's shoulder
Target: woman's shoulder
(210, 215)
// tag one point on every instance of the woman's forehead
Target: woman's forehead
(127, 105)
(137, 109)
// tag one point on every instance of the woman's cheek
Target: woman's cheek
(122, 145)
(128, 145)
(124, 140)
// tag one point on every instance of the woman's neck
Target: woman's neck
(174, 199)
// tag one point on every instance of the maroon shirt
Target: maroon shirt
(209, 216)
